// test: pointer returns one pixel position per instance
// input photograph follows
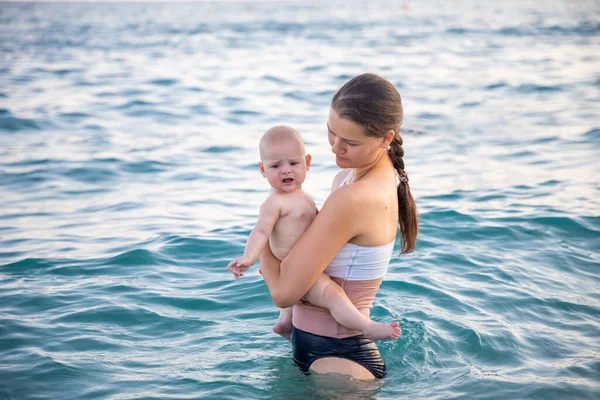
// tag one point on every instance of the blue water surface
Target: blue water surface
(128, 180)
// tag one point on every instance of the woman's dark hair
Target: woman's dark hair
(374, 103)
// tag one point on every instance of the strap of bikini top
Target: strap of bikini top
(346, 179)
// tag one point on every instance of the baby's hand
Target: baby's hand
(239, 265)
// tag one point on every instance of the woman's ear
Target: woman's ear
(387, 138)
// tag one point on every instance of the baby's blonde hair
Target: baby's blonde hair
(279, 134)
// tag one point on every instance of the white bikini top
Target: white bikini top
(358, 263)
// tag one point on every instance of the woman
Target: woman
(353, 236)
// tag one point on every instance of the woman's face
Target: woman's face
(352, 148)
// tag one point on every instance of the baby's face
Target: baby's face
(284, 164)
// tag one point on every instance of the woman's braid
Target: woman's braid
(396, 154)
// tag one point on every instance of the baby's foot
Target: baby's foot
(283, 327)
(379, 331)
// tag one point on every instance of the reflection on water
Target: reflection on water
(128, 152)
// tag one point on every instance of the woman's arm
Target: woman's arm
(335, 225)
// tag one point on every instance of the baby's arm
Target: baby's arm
(267, 217)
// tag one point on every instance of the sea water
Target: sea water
(128, 181)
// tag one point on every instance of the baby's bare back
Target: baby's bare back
(297, 213)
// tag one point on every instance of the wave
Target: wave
(592, 135)
(533, 88)
(11, 123)
(584, 28)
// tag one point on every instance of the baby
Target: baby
(284, 216)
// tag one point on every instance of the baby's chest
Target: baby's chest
(299, 214)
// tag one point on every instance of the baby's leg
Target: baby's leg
(283, 326)
(328, 294)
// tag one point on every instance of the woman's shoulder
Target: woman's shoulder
(355, 198)
(359, 200)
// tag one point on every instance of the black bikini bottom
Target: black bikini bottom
(308, 347)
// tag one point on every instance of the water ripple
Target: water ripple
(128, 151)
